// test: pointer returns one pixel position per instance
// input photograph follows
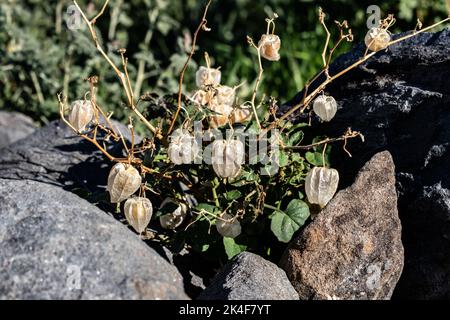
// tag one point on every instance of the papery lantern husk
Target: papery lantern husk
(377, 39)
(222, 117)
(138, 212)
(183, 148)
(227, 227)
(123, 181)
(81, 114)
(174, 219)
(325, 107)
(270, 45)
(321, 184)
(228, 157)
(207, 77)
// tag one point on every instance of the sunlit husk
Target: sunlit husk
(325, 107)
(138, 212)
(270, 45)
(222, 116)
(183, 148)
(174, 219)
(228, 157)
(226, 228)
(321, 185)
(207, 77)
(377, 39)
(240, 115)
(81, 114)
(123, 181)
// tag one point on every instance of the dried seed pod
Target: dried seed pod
(183, 147)
(321, 185)
(377, 39)
(228, 227)
(325, 107)
(207, 77)
(203, 97)
(123, 181)
(227, 157)
(222, 117)
(270, 46)
(225, 95)
(81, 114)
(240, 115)
(138, 212)
(174, 219)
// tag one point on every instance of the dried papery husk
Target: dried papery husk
(321, 184)
(138, 212)
(228, 227)
(222, 117)
(183, 147)
(174, 219)
(123, 181)
(207, 77)
(240, 115)
(377, 39)
(225, 95)
(270, 45)
(227, 157)
(81, 114)
(325, 107)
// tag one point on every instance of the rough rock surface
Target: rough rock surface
(400, 101)
(55, 155)
(249, 277)
(353, 249)
(55, 245)
(13, 127)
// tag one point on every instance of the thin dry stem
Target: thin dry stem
(308, 99)
(201, 26)
(123, 77)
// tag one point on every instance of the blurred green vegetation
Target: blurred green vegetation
(40, 56)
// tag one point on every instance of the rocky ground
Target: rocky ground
(54, 243)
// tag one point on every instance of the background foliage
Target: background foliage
(40, 56)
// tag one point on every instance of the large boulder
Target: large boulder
(249, 277)
(13, 127)
(353, 249)
(399, 99)
(55, 245)
(54, 154)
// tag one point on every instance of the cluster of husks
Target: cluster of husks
(218, 98)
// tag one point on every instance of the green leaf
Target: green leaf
(284, 159)
(232, 248)
(233, 195)
(206, 207)
(246, 177)
(295, 138)
(285, 224)
(315, 158)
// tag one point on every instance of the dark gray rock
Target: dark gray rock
(400, 101)
(13, 127)
(249, 277)
(55, 245)
(55, 155)
(353, 249)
